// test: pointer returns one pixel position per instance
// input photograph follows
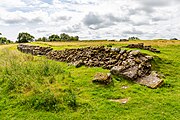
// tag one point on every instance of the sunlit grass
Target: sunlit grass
(38, 88)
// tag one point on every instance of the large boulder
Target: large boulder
(122, 71)
(152, 80)
(102, 78)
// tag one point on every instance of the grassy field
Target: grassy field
(35, 88)
(69, 45)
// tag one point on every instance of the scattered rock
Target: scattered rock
(124, 87)
(152, 80)
(102, 78)
(122, 101)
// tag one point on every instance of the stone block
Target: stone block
(153, 80)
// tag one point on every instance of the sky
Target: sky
(91, 19)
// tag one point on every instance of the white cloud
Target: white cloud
(23, 18)
(12, 3)
(91, 19)
(133, 31)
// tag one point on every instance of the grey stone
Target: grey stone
(78, 63)
(152, 80)
(122, 71)
(131, 73)
(122, 101)
(116, 70)
(134, 52)
(115, 49)
(122, 52)
(102, 78)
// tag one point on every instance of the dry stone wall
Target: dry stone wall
(130, 64)
(34, 50)
(141, 46)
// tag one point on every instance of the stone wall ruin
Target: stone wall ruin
(34, 50)
(131, 64)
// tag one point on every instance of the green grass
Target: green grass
(33, 88)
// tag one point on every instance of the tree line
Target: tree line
(4, 40)
(25, 37)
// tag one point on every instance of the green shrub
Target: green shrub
(44, 100)
(47, 100)
(70, 99)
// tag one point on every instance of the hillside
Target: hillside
(34, 87)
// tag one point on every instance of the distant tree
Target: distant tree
(71, 38)
(133, 38)
(54, 38)
(44, 39)
(76, 38)
(39, 39)
(8, 41)
(173, 39)
(65, 37)
(24, 37)
(62, 37)
(3, 40)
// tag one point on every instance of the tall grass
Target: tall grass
(30, 80)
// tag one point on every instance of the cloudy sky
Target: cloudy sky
(91, 19)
